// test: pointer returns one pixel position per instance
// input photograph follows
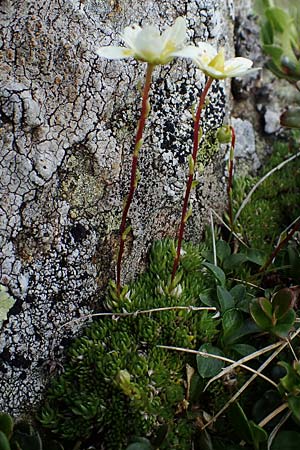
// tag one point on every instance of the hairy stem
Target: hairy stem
(230, 178)
(134, 166)
(184, 215)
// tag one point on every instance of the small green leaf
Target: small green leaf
(160, 436)
(196, 387)
(223, 250)
(274, 51)
(217, 272)
(279, 19)
(266, 307)
(282, 301)
(277, 70)
(256, 256)
(241, 301)
(284, 326)
(225, 299)
(231, 321)
(234, 261)
(126, 232)
(258, 434)
(267, 35)
(26, 437)
(243, 349)
(209, 366)
(6, 424)
(224, 134)
(294, 405)
(259, 316)
(208, 298)
(204, 441)
(245, 329)
(291, 381)
(240, 422)
(4, 443)
(286, 440)
(291, 118)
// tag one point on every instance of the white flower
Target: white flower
(148, 45)
(213, 63)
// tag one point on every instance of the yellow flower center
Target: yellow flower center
(218, 61)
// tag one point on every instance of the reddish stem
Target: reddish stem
(280, 245)
(134, 166)
(191, 175)
(230, 178)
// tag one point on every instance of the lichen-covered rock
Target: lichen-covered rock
(67, 123)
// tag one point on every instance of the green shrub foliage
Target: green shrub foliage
(116, 381)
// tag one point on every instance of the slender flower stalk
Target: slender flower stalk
(214, 66)
(134, 165)
(192, 166)
(230, 177)
(148, 45)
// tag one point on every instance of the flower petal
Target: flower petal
(190, 51)
(235, 67)
(176, 34)
(207, 49)
(112, 52)
(238, 62)
(130, 34)
(148, 45)
(214, 73)
(241, 73)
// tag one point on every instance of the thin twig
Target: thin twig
(213, 238)
(139, 312)
(243, 360)
(273, 414)
(277, 428)
(220, 358)
(247, 283)
(248, 197)
(279, 246)
(293, 351)
(286, 230)
(248, 382)
(228, 228)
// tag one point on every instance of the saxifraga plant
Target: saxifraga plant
(145, 45)
(214, 66)
(148, 45)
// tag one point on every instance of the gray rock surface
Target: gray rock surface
(66, 128)
(245, 148)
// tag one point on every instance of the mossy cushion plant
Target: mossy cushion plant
(116, 381)
(275, 204)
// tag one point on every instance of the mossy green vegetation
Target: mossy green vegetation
(275, 204)
(116, 381)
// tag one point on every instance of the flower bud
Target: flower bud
(224, 134)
